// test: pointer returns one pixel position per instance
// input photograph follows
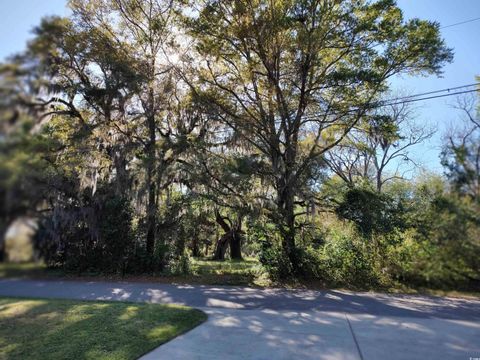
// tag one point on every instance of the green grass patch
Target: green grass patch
(24, 270)
(227, 272)
(204, 266)
(60, 329)
(202, 271)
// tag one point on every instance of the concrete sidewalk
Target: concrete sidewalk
(267, 335)
(263, 334)
(247, 323)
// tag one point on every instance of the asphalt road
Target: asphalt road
(248, 323)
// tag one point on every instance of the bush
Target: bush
(449, 239)
(181, 265)
(309, 263)
(275, 262)
(94, 236)
(116, 239)
(370, 211)
(345, 261)
(338, 256)
(271, 255)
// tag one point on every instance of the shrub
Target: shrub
(275, 262)
(309, 263)
(371, 212)
(345, 261)
(271, 255)
(94, 236)
(180, 265)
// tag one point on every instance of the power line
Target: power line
(410, 99)
(395, 101)
(460, 23)
(436, 91)
(431, 97)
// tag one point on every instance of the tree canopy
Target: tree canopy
(138, 132)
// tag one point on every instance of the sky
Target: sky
(21, 16)
(465, 41)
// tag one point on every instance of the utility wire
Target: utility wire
(460, 23)
(430, 97)
(410, 99)
(435, 92)
(395, 101)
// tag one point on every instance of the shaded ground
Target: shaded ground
(247, 272)
(61, 329)
(203, 271)
(252, 323)
(24, 270)
(244, 298)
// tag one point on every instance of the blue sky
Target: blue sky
(20, 16)
(464, 39)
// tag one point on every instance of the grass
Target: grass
(203, 271)
(60, 329)
(205, 266)
(228, 272)
(26, 270)
(408, 290)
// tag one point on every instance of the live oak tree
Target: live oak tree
(223, 177)
(144, 28)
(292, 78)
(105, 73)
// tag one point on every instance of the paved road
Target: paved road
(246, 323)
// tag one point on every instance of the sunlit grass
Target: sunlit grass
(229, 272)
(203, 266)
(63, 329)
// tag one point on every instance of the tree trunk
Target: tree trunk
(3, 230)
(236, 245)
(151, 215)
(285, 186)
(121, 173)
(236, 240)
(379, 181)
(151, 177)
(232, 237)
(207, 248)
(287, 223)
(221, 247)
(195, 247)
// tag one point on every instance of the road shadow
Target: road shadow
(242, 298)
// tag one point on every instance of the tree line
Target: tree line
(141, 132)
